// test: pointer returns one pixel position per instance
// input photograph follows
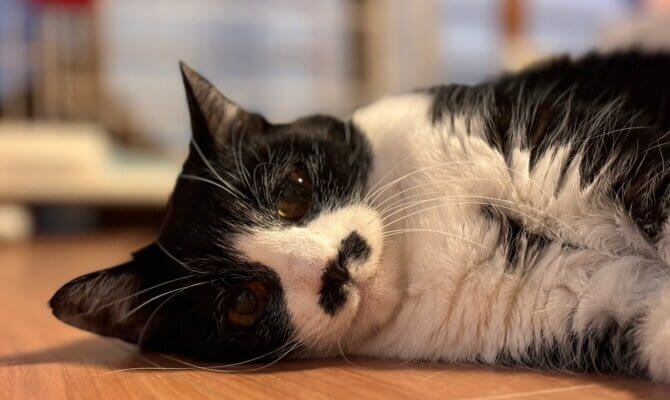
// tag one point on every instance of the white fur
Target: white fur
(438, 288)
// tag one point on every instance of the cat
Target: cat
(521, 221)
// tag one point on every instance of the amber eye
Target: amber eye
(295, 195)
(247, 304)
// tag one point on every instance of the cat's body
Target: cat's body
(518, 222)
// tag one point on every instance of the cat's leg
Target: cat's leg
(590, 312)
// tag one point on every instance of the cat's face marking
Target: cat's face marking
(328, 268)
(267, 238)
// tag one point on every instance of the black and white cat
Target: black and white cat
(523, 221)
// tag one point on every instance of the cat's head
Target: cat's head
(268, 244)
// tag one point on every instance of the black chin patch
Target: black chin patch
(333, 293)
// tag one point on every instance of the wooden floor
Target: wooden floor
(41, 358)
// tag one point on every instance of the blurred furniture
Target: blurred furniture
(76, 163)
(73, 164)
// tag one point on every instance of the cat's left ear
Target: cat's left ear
(213, 116)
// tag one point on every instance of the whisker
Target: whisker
(493, 199)
(175, 259)
(211, 182)
(159, 367)
(146, 324)
(473, 202)
(156, 368)
(238, 159)
(400, 231)
(381, 180)
(278, 349)
(134, 310)
(384, 188)
(372, 197)
(207, 163)
(135, 294)
(212, 369)
(433, 183)
(339, 347)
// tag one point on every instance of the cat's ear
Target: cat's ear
(213, 116)
(108, 302)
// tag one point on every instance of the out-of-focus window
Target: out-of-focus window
(282, 58)
(15, 57)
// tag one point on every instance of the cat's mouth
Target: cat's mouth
(333, 294)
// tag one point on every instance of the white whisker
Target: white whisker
(383, 178)
(175, 259)
(493, 200)
(136, 294)
(372, 197)
(134, 310)
(215, 369)
(209, 166)
(473, 202)
(408, 230)
(211, 182)
(140, 339)
(379, 206)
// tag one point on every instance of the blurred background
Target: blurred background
(93, 121)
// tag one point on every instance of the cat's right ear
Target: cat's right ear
(121, 301)
(213, 116)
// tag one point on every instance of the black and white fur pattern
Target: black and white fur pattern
(522, 221)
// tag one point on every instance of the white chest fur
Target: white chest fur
(462, 301)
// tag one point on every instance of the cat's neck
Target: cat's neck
(397, 128)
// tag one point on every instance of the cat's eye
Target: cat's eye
(295, 195)
(247, 304)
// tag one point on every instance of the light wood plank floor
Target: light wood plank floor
(41, 358)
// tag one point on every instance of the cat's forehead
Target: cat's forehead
(233, 187)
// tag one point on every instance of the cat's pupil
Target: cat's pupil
(246, 302)
(295, 196)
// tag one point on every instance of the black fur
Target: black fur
(518, 242)
(353, 247)
(333, 294)
(608, 108)
(610, 348)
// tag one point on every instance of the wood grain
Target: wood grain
(41, 358)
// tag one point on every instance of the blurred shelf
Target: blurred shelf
(67, 163)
